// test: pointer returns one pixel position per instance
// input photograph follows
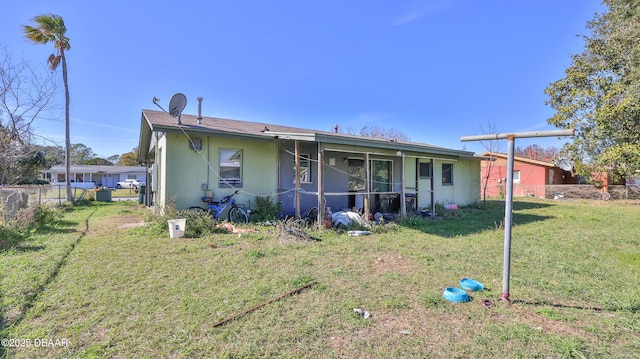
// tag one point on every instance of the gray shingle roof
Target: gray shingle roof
(162, 121)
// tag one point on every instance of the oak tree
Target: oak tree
(600, 94)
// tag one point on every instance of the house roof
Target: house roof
(488, 155)
(153, 120)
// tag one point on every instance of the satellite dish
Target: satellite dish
(565, 164)
(176, 105)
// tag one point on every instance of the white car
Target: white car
(130, 183)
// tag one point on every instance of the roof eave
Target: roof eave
(207, 131)
(393, 145)
(146, 129)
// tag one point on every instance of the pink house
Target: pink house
(530, 176)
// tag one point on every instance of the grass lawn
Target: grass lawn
(97, 284)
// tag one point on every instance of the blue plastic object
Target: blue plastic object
(455, 295)
(470, 284)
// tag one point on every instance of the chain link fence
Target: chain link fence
(616, 192)
(14, 198)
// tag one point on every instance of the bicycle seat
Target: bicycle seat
(208, 200)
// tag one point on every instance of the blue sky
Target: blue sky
(435, 70)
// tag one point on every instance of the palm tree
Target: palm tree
(50, 29)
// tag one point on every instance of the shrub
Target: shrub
(411, 220)
(33, 216)
(37, 181)
(385, 227)
(45, 214)
(199, 223)
(266, 210)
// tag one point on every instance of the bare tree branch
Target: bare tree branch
(26, 96)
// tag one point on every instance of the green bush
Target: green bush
(266, 210)
(199, 223)
(411, 220)
(45, 214)
(33, 216)
(37, 181)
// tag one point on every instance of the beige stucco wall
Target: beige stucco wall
(466, 183)
(183, 171)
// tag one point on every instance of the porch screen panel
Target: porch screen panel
(381, 176)
(355, 169)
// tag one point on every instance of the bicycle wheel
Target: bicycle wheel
(238, 215)
(311, 216)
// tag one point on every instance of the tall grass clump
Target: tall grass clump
(267, 209)
(199, 223)
(33, 216)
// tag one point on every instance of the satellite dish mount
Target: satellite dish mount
(176, 105)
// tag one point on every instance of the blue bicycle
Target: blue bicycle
(216, 209)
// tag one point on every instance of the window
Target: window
(425, 170)
(230, 168)
(305, 169)
(516, 176)
(447, 173)
(381, 176)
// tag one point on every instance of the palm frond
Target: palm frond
(54, 61)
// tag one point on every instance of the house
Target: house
(89, 176)
(205, 155)
(530, 176)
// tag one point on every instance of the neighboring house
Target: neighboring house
(89, 176)
(530, 176)
(634, 180)
(339, 171)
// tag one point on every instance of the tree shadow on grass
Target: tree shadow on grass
(10, 239)
(476, 219)
(43, 230)
(22, 248)
(17, 240)
(634, 308)
(30, 300)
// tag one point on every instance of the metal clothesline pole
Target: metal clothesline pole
(508, 205)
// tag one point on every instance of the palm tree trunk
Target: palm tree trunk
(67, 136)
